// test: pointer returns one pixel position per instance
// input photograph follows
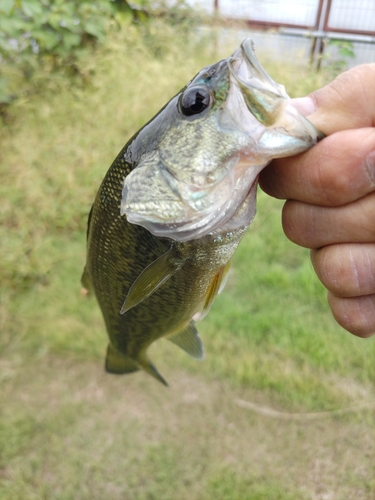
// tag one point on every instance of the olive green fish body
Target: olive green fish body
(118, 252)
(176, 202)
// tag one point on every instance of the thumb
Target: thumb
(346, 103)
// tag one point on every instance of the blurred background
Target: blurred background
(324, 31)
(283, 405)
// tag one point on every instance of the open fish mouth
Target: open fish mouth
(264, 98)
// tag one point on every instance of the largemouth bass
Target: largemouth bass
(176, 202)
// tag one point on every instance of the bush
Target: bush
(33, 32)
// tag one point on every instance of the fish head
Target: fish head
(201, 155)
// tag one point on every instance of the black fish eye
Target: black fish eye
(194, 101)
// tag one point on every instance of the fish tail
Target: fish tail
(118, 364)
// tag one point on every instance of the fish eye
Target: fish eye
(194, 101)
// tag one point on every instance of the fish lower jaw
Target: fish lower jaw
(245, 213)
(253, 187)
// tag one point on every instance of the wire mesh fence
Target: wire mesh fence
(271, 11)
(316, 30)
(349, 15)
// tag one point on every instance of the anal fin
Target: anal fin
(118, 364)
(189, 340)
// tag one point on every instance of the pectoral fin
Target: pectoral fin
(188, 339)
(118, 364)
(215, 287)
(151, 278)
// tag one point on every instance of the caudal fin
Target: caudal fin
(118, 364)
(151, 370)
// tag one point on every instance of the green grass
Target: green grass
(269, 336)
(227, 484)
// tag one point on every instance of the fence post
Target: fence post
(317, 45)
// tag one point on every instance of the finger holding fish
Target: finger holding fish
(338, 170)
(331, 195)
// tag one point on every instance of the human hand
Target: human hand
(331, 195)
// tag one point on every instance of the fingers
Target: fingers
(346, 270)
(346, 103)
(331, 193)
(338, 170)
(357, 315)
(326, 174)
(313, 226)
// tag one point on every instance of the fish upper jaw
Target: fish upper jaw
(264, 98)
(268, 102)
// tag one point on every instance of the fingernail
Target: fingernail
(305, 105)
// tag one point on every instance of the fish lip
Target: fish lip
(314, 132)
(254, 70)
(264, 98)
(253, 185)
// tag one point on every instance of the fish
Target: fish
(176, 202)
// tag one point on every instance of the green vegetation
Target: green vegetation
(67, 430)
(52, 35)
(56, 37)
(336, 56)
(228, 485)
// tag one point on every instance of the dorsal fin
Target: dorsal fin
(151, 278)
(216, 286)
(188, 339)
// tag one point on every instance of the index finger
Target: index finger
(338, 170)
(346, 103)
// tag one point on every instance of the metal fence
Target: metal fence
(306, 26)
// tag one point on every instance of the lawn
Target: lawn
(70, 431)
